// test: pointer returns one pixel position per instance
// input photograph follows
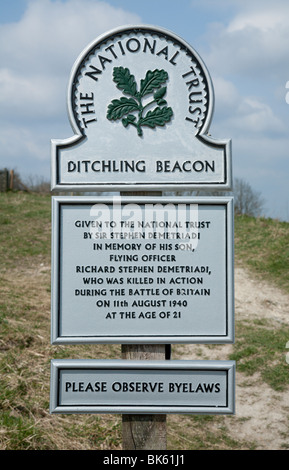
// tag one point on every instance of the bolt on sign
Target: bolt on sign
(161, 387)
(140, 102)
(142, 270)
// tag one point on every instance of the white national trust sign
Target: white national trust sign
(140, 102)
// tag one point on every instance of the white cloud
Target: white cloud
(52, 33)
(244, 114)
(249, 56)
(36, 56)
(23, 148)
(29, 96)
(253, 42)
(262, 16)
(227, 97)
(256, 116)
(37, 53)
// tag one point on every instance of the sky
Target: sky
(244, 44)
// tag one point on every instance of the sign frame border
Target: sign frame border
(174, 365)
(57, 201)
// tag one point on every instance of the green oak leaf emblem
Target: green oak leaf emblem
(133, 111)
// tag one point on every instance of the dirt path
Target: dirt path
(262, 415)
(259, 299)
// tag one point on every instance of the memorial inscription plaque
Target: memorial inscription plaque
(142, 270)
(140, 102)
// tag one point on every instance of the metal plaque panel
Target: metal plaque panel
(140, 103)
(161, 387)
(142, 270)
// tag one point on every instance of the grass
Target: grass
(259, 348)
(202, 433)
(25, 228)
(26, 352)
(263, 245)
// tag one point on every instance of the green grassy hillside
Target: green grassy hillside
(263, 245)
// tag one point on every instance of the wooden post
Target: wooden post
(144, 431)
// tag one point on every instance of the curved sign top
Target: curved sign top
(140, 102)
